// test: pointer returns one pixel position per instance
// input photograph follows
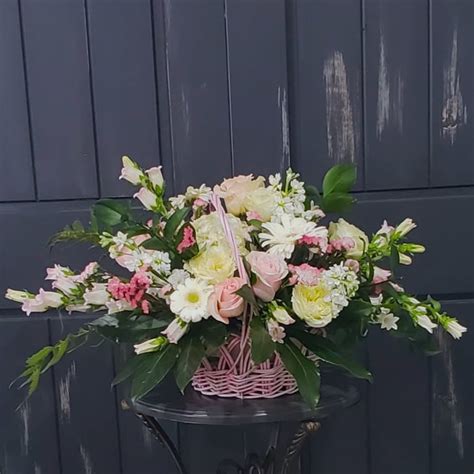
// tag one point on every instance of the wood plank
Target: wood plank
(122, 63)
(437, 271)
(345, 431)
(27, 228)
(452, 93)
(399, 408)
(16, 178)
(326, 118)
(28, 435)
(397, 94)
(140, 451)
(258, 86)
(197, 81)
(87, 406)
(453, 391)
(56, 54)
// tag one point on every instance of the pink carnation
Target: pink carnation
(340, 245)
(187, 241)
(314, 241)
(304, 274)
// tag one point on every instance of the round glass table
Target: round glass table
(282, 412)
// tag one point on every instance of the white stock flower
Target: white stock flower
(156, 176)
(189, 301)
(454, 328)
(130, 171)
(281, 237)
(98, 295)
(177, 277)
(387, 319)
(147, 198)
(175, 331)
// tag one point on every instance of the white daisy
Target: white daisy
(189, 301)
(281, 237)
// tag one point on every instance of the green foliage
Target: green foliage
(175, 222)
(303, 370)
(213, 334)
(330, 353)
(339, 179)
(262, 346)
(190, 357)
(109, 213)
(247, 294)
(76, 231)
(153, 370)
(47, 357)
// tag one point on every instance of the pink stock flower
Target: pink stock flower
(304, 274)
(132, 292)
(199, 202)
(314, 241)
(270, 271)
(343, 244)
(187, 241)
(223, 302)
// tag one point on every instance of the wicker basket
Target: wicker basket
(234, 374)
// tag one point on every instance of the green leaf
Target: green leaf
(329, 352)
(130, 367)
(107, 320)
(262, 346)
(156, 243)
(394, 259)
(190, 357)
(339, 179)
(108, 213)
(312, 194)
(174, 222)
(213, 334)
(303, 370)
(337, 202)
(247, 294)
(153, 370)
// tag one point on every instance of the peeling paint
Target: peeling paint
(185, 111)
(454, 112)
(339, 115)
(86, 460)
(25, 412)
(390, 94)
(285, 128)
(64, 393)
(450, 416)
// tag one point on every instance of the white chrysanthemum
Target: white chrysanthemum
(189, 301)
(209, 231)
(282, 236)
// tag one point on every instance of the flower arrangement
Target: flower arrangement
(240, 289)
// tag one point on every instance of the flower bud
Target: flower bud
(176, 330)
(151, 345)
(404, 227)
(130, 171)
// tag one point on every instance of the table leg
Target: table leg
(160, 434)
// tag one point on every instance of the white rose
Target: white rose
(262, 200)
(341, 229)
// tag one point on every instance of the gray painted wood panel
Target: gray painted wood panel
(27, 228)
(452, 429)
(197, 81)
(87, 405)
(16, 178)
(258, 88)
(122, 65)
(396, 94)
(326, 90)
(28, 436)
(56, 51)
(452, 96)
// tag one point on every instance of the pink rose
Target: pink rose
(224, 303)
(235, 190)
(270, 271)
